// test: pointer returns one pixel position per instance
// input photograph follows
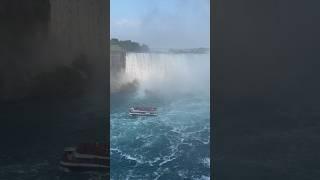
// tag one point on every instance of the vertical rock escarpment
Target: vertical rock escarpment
(117, 66)
(117, 60)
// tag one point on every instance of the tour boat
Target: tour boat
(142, 111)
(86, 157)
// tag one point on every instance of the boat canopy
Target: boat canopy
(145, 108)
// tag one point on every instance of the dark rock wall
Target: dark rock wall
(117, 68)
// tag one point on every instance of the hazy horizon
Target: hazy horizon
(180, 24)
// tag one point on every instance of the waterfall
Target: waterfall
(168, 72)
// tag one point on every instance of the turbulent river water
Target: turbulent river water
(174, 144)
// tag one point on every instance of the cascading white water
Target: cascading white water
(169, 73)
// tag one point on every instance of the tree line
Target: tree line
(130, 46)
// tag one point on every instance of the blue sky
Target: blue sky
(162, 23)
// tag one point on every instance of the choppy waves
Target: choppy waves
(173, 145)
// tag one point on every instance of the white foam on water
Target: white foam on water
(205, 162)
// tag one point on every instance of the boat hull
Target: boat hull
(77, 167)
(142, 114)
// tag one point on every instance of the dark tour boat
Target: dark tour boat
(86, 157)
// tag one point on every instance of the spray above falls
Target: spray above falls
(168, 73)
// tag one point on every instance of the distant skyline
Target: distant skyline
(162, 23)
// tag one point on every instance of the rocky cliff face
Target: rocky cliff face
(117, 67)
(117, 60)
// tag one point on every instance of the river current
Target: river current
(175, 144)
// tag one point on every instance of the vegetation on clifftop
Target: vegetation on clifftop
(130, 46)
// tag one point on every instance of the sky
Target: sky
(162, 23)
